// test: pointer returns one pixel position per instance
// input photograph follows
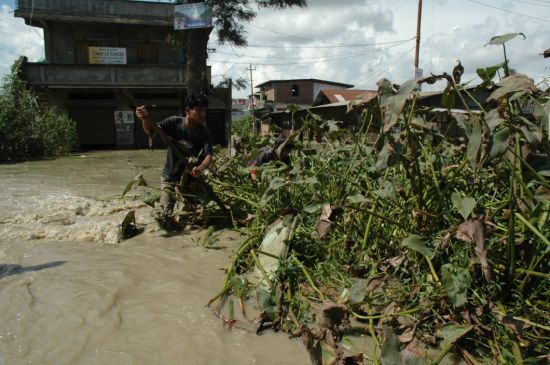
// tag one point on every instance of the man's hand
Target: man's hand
(141, 112)
(197, 171)
(143, 115)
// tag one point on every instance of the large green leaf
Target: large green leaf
(415, 243)
(488, 73)
(464, 205)
(456, 281)
(501, 39)
(474, 141)
(452, 332)
(394, 103)
(499, 143)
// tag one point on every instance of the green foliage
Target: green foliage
(26, 130)
(430, 224)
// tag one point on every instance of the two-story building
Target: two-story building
(104, 57)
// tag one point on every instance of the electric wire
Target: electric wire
(510, 11)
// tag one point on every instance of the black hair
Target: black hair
(193, 101)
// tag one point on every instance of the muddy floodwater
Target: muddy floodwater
(70, 293)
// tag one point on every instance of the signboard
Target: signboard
(189, 16)
(124, 127)
(107, 55)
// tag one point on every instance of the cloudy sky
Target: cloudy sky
(357, 41)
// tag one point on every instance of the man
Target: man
(279, 151)
(193, 137)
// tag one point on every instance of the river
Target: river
(71, 293)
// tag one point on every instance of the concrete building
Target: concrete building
(278, 94)
(104, 57)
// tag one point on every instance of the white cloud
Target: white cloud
(17, 39)
(451, 30)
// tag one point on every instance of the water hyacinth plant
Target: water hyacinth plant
(420, 240)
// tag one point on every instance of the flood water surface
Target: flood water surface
(71, 293)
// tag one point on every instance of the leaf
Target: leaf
(452, 332)
(474, 231)
(474, 142)
(328, 216)
(456, 281)
(313, 208)
(395, 103)
(277, 183)
(383, 157)
(488, 73)
(465, 205)
(138, 181)
(513, 84)
(448, 97)
(390, 348)
(415, 243)
(499, 142)
(357, 199)
(357, 292)
(501, 39)
(128, 226)
(493, 119)
(387, 190)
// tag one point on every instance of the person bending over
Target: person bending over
(192, 135)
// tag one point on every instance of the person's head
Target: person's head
(195, 106)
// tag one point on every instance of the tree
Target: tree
(229, 17)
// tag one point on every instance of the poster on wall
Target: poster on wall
(107, 55)
(124, 127)
(190, 16)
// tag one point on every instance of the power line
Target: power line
(311, 57)
(510, 11)
(301, 63)
(329, 46)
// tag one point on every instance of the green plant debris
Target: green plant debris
(426, 238)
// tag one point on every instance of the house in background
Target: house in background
(329, 105)
(103, 57)
(277, 95)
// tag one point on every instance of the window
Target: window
(294, 90)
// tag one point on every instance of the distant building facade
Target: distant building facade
(302, 92)
(103, 57)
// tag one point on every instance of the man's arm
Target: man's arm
(143, 115)
(198, 170)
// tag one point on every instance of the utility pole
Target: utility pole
(418, 22)
(252, 98)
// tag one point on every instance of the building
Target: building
(277, 95)
(302, 92)
(104, 57)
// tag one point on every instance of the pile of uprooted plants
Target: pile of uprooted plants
(418, 241)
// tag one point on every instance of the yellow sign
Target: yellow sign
(107, 55)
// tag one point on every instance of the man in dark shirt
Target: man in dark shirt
(191, 134)
(271, 153)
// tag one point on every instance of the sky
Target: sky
(357, 42)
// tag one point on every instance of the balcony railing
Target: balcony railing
(138, 12)
(112, 76)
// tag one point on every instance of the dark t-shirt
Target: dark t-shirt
(196, 139)
(266, 154)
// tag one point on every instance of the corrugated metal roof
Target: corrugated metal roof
(336, 95)
(312, 80)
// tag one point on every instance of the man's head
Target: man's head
(195, 106)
